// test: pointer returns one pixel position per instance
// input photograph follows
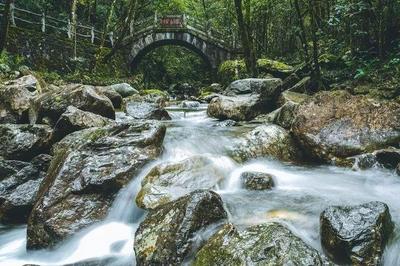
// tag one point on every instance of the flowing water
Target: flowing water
(300, 195)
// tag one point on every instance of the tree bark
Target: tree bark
(5, 25)
(249, 56)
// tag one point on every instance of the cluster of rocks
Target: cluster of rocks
(331, 127)
(349, 235)
(65, 156)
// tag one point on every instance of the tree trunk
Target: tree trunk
(125, 29)
(74, 25)
(302, 33)
(249, 56)
(5, 25)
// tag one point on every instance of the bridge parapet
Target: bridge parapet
(180, 23)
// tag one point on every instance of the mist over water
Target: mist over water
(300, 195)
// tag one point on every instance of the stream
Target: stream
(300, 195)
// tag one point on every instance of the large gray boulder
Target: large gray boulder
(23, 142)
(265, 244)
(74, 120)
(338, 125)
(14, 104)
(238, 108)
(88, 169)
(253, 85)
(124, 89)
(145, 110)
(267, 141)
(356, 235)
(51, 105)
(169, 181)
(18, 189)
(114, 96)
(166, 236)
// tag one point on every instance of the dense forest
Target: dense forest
(199, 132)
(341, 41)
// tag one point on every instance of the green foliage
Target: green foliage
(170, 65)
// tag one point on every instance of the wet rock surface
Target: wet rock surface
(190, 104)
(111, 94)
(18, 190)
(169, 181)
(238, 108)
(257, 180)
(145, 110)
(267, 141)
(51, 105)
(23, 142)
(165, 237)
(253, 85)
(337, 124)
(75, 119)
(88, 169)
(356, 234)
(265, 244)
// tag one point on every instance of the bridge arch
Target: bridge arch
(212, 53)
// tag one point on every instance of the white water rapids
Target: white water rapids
(300, 195)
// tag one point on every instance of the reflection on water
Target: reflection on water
(300, 195)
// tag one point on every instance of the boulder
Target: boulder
(238, 108)
(10, 167)
(216, 87)
(226, 123)
(267, 141)
(253, 85)
(169, 181)
(123, 89)
(257, 180)
(74, 120)
(190, 104)
(356, 235)
(14, 104)
(265, 244)
(302, 86)
(51, 105)
(385, 158)
(292, 97)
(398, 169)
(209, 97)
(337, 124)
(276, 68)
(145, 110)
(28, 82)
(18, 190)
(114, 96)
(166, 235)
(285, 115)
(23, 142)
(88, 169)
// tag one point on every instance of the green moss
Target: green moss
(271, 65)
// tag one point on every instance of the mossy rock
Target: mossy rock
(265, 244)
(155, 92)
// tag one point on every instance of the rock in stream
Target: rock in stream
(88, 169)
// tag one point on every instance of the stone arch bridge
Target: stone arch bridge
(176, 30)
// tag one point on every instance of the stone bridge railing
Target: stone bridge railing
(47, 24)
(183, 22)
